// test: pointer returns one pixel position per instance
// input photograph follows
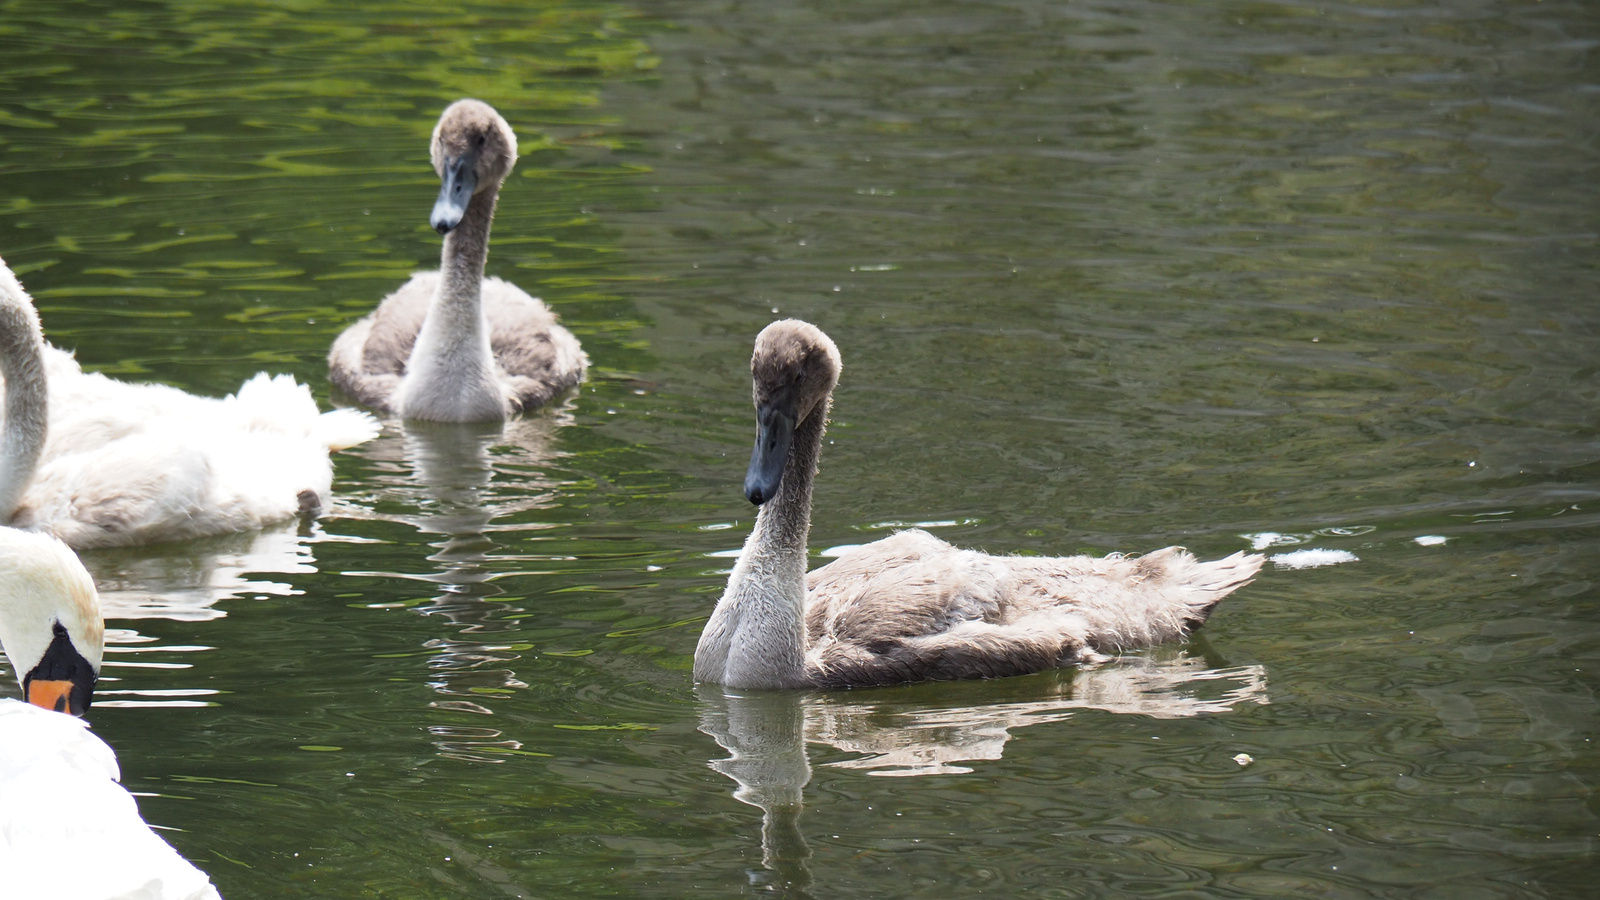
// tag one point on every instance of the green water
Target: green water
(1105, 276)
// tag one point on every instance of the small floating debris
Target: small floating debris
(1261, 540)
(1346, 530)
(1430, 540)
(1244, 759)
(1313, 558)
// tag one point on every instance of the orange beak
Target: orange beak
(55, 695)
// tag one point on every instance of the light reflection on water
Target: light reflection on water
(186, 582)
(931, 741)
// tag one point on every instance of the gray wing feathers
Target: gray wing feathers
(368, 359)
(913, 608)
(538, 358)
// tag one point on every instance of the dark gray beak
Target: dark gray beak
(774, 433)
(459, 181)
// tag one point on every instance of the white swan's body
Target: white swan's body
(67, 828)
(100, 463)
(911, 607)
(452, 345)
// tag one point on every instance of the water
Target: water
(1105, 276)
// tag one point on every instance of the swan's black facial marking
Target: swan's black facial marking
(63, 680)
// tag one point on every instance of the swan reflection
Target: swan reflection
(185, 581)
(467, 484)
(765, 733)
(932, 741)
(442, 479)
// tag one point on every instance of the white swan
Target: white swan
(103, 463)
(454, 346)
(911, 607)
(67, 829)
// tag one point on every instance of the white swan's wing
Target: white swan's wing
(88, 409)
(141, 463)
(177, 480)
(343, 428)
(67, 829)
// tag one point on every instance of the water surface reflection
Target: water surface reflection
(476, 487)
(765, 733)
(186, 581)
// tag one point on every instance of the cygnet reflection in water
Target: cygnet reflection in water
(765, 732)
(896, 740)
(463, 482)
(458, 479)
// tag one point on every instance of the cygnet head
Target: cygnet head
(473, 148)
(50, 621)
(793, 371)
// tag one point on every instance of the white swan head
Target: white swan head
(473, 149)
(50, 621)
(793, 371)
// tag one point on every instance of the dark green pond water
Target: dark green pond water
(1105, 275)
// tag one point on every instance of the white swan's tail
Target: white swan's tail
(279, 403)
(340, 429)
(26, 405)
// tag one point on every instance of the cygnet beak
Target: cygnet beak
(775, 423)
(459, 181)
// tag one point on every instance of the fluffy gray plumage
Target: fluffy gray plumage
(452, 345)
(911, 607)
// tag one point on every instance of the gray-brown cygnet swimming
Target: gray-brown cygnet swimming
(911, 607)
(452, 345)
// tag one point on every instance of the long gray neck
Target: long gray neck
(756, 637)
(450, 376)
(783, 525)
(26, 396)
(466, 250)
